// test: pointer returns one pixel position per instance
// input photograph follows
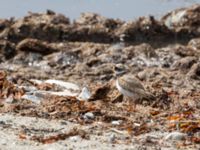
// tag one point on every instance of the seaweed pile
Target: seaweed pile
(89, 52)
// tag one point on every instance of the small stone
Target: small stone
(150, 139)
(88, 116)
(116, 122)
(63, 122)
(85, 94)
(4, 142)
(112, 138)
(74, 138)
(36, 144)
(175, 136)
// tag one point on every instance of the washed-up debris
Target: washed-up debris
(85, 94)
(145, 29)
(65, 85)
(184, 18)
(7, 49)
(56, 69)
(62, 88)
(34, 97)
(34, 45)
(194, 44)
(185, 63)
(184, 51)
(112, 138)
(28, 88)
(45, 26)
(61, 136)
(8, 89)
(44, 89)
(63, 93)
(92, 27)
(100, 92)
(75, 138)
(39, 96)
(88, 116)
(176, 136)
(10, 99)
(116, 122)
(194, 72)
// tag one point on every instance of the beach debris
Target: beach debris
(175, 136)
(65, 85)
(85, 94)
(88, 116)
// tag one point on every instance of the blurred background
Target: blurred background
(122, 9)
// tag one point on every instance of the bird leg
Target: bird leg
(131, 104)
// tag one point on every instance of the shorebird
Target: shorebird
(132, 88)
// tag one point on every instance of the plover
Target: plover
(132, 88)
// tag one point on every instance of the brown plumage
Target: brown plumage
(131, 87)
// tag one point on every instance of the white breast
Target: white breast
(125, 92)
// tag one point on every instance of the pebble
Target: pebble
(112, 138)
(74, 138)
(116, 122)
(88, 116)
(4, 142)
(85, 94)
(63, 122)
(175, 136)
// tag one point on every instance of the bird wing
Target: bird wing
(134, 82)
